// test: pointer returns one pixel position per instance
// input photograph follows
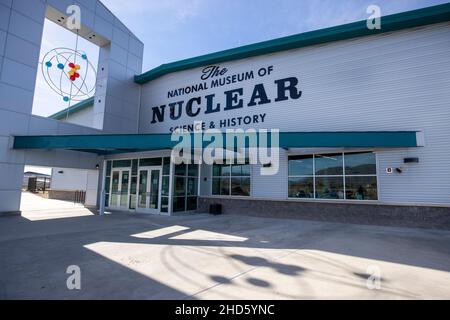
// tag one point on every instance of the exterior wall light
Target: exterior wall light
(411, 160)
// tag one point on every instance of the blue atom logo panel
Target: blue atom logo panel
(69, 73)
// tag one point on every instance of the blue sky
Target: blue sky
(176, 29)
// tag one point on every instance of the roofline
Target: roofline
(73, 109)
(394, 22)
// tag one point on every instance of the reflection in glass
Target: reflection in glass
(150, 162)
(154, 189)
(193, 170)
(180, 186)
(134, 167)
(192, 188)
(133, 187)
(107, 184)
(329, 164)
(166, 166)
(179, 204)
(164, 204)
(240, 186)
(225, 186)
(108, 168)
(360, 163)
(124, 188)
(115, 189)
(191, 203)
(165, 186)
(301, 187)
(121, 163)
(216, 186)
(361, 188)
(236, 170)
(245, 170)
(180, 170)
(142, 199)
(330, 187)
(301, 165)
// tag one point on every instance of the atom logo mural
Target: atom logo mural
(69, 73)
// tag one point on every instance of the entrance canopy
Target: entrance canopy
(125, 143)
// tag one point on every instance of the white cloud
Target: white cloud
(181, 9)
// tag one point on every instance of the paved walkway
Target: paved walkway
(127, 256)
(35, 207)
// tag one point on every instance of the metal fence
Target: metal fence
(38, 184)
(80, 196)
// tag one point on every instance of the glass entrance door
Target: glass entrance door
(120, 189)
(149, 190)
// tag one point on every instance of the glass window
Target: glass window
(330, 187)
(327, 180)
(301, 187)
(192, 188)
(360, 163)
(236, 170)
(165, 186)
(149, 162)
(180, 170)
(216, 186)
(329, 164)
(179, 204)
(191, 203)
(225, 170)
(245, 170)
(361, 188)
(107, 184)
(108, 168)
(180, 186)
(134, 167)
(225, 186)
(164, 204)
(301, 165)
(240, 186)
(121, 163)
(193, 170)
(166, 166)
(231, 180)
(216, 170)
(133, 190)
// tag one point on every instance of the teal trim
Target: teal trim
(112, 144)
(73, 109)
(399, 21)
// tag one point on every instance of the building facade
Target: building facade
(363, 119)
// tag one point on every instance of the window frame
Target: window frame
(229, 177)
(343, 175)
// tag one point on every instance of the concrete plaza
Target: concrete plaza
(134, 256)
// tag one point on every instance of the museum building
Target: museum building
(363, 119)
